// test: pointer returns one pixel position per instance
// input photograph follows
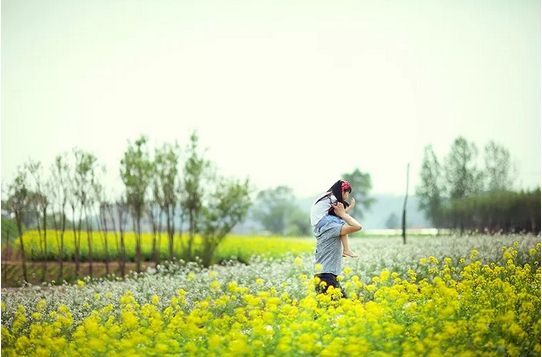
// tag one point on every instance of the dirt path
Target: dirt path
(12, 271)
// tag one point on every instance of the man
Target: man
(328, 230)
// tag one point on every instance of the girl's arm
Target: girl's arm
(351, 225)
(352, 205)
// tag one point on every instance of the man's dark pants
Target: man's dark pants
(330, 280)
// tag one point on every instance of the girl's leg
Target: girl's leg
(346, 247)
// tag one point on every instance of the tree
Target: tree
(39, 203)
(498, 168)
(361, 188)
(122, 209)
(430, 191)
(58, 187)
(17, 203)
(166, 163)
(155, 216)
(136, 171)
(462, 176)
(298, 223)
(192, 188)
(461, 172)
(274, 208)
(226, 206)
(9, 230)
(84, 169)
(393, 221)
(9, 235)
(98, 197)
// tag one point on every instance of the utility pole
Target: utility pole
(404, 206)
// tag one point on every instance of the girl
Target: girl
(339, 192)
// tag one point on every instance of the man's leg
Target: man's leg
(328, 280)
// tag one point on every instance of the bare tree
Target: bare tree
(155, 216)
(40, 203)
(75, 208)
(122, 214)
(17, 204)
(101, 216)
(93, 190)
(58, 185)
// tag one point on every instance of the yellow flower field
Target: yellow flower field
(442, 308)
(241, 247)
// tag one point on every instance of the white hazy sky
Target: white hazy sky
(284, 92)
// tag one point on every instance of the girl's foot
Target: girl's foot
(349, 253)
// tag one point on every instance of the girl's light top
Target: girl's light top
(320, 207)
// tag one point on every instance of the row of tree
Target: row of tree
(169, 186)
(458, 194)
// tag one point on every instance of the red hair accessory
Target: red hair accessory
(345, 186)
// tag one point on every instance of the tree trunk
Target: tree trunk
(159, 243)
(181, 242)
(122, 245)
(61, 249)
(169, 235)
(122, 255)
(190, 234)
(155, 230)
(57, 236)
(404, 207)
(111, 215)
(18, 218)
(171, 226)
(76, 246)
(138, 243)
(89, 242)
(41, 245)
(103, 228)
(45, 243)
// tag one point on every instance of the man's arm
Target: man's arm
(351, 225)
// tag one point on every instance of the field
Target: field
(475, 295)
(238, 248)
(233, 247)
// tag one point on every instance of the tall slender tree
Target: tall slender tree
(461, 171)
(166, 163)
(499, 170)
(18, 203)
(58, 186)
(98, 195)
(136, 171)
(84, 167)
(463, 176)
(195, 173)
(122, 210)
(40, 203)
(431, 192)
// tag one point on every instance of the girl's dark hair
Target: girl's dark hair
(338, 193)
